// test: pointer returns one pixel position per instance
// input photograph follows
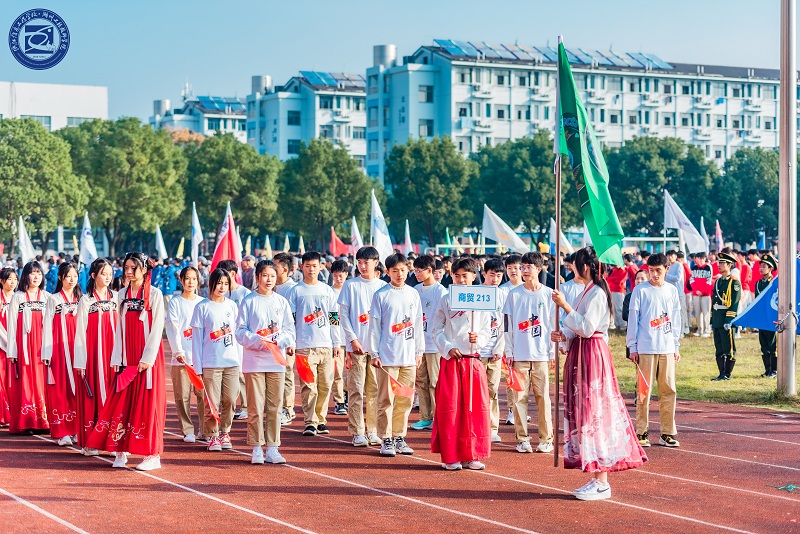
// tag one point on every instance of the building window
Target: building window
(213, 124)
(737, 92)
(293, 118)
(684, 121)
(372, 115)
(718, 154)
(667, 88)
(293, 146)
(632, 119)
(44, 120)
(360, 161)
(736, 123)
(501, 113)
(325, 102)
(613, 118)
(359, 132)
(768, 124)
(75, 121)
(667, 121)
(501, 80)
(326, 131)
(523, 81)
(358, 104)
(426, 127)
(426, 93)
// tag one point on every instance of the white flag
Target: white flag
(587, 239)
(409, 247)
(494, 228)
(286, 245)
(380, 231)
(675, 218)
(563, 242)
(247, 247)
(88, 252)
(26, 251)
(301, 248)
(197, 235)
(355, 236)
(267, 248)
(160, 247)
(704, 235)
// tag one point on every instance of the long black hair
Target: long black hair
(97, 265)
(264, 264)
(63, 271)
(587, 257)
(24, 279)
(142, 261)
(5, 274)
(216, 277)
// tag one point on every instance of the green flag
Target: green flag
(575, 138)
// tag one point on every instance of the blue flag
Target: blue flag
(762, 240)
(763, 311)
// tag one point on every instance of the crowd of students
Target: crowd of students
(85, 361)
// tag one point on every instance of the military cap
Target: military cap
(770, 260)
(726, 257)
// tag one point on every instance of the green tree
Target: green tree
(427, 183)
(222, 170)
(36, 180)
(135, 175)
(525, 167)
(323, 187)
(746, 196)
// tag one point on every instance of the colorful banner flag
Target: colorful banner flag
(564, 243)
(407, 245)
(179, 252)
(301, 247)
(575, 138)
(642, 387)
(194, 378)
(303, 368)
(247, 246)
(380, 231)
(718, 237)
(675, 218)
(337, 245)
(197, 235)
(267, 248)
(286, 245)
(762, 313)
(211, 406)
(496, 229)
(88, 252)
(513, 380)
(228, 245)
(704, 235)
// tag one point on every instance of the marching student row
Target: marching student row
(77, 369)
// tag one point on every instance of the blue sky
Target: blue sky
(144, 49)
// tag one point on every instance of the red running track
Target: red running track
(726, 476)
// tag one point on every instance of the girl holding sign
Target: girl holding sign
(265, 330)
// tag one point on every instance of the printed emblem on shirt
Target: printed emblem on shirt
(103, 306)
(662, 322)
(134, 304)
(33, 306)
(532, 326)
(315, 317)
(404, 328)
(69, 306)
(270, 331)
(333, 318)
(225, 334)
(187, 333)
(363, 319)
(424, 323)
(495, 325)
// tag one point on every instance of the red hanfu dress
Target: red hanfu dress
(94, 343)
(5, 414)
(133, 419)
(598, 436)
(26, 377)
(58, 349)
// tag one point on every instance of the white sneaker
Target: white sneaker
(274, 457)
(63, 442)
(597, 492)
(189, 438)
(496, 438)
(120, 460)
(524, 446)
(373, 439)
(706, 335)
(474, 465)
(696, 334)
(149, 463)
(544, 447)
(286, 419)
(452, 467)
(387, 448)
(585, 487)
(258, 455)
(510, 418)
(86, 451)
(360, 441)
(737, 336)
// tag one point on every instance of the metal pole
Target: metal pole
(556, 418)
(787, 204)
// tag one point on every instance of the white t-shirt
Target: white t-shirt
(531, 316)
(355, 301)
(179, 330)
(508, 286)
(316, 311)
(264, 317)
(430, 297)
(497, 324)
(395, 329)
(213, 343)
(676, 276)
(654, 319)
(284, 288)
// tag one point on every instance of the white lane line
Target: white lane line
(739, 435)
(43, 512)
(721, 486)
(198, 493)
(738, 459)
(389, 493)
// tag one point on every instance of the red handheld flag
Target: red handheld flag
(211, 407)
(276, 353)
(642, 386)
(126, 377)
(304, 369)
(397, 388)
(512, 376)
(194, 378)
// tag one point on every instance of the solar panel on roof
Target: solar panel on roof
(449, 47)
(549, 55)
(597, 57)
(535, 54)
(582, 57)
(469, 50)
(518, 52)
(641, 59)
(502, 52)
(614, 59)
(485, 50)
(658, 62)
(329, 80)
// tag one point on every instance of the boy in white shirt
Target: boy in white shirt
(316, 317)
(492, 276)
(354, 302)
(531, 317)
(654, 330)
(237, 294)
(430, 293)
(512, 262)
(396, 346)
(284, 263)
(339, 272)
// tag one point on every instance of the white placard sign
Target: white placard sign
(473, 298)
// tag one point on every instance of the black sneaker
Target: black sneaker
(667, 440)
(643, 441)
(387, 448)
(322, 429)
(310, 430)
(340, 409)
(401, 446)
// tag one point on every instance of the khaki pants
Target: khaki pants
(222, 386)
(536, 376)
(182, 389)
(493, 379)
(686, 310)
(393, 409)
(242, 391)
(362, 388)
(288, 385)
(315, 396)
(702, 313)
(660, 367)
(265, 391)
(427, 377)
(338, 378)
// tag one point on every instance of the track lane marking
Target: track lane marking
(42, 511)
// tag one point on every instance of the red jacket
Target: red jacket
(687, 275)
(632, 270)
(755, 275)
(616, 280)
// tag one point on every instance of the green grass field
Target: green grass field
(698, 366)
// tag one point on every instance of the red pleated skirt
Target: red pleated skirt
(88, 407)
(61, 401)
(26, 382)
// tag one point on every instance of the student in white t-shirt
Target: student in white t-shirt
(179, 335)
(512, 262)
(492, 276)
(216, 357)
(338, 273)
(396, 345)
(237, 294)
(654, 332)
(531, 317)
(284, 263)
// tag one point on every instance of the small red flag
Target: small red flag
(642, 386)
(304, 369)
(512, 376)
(194, 378)
(211, 407)
(126, 377)
(276, 353)
(397, 388)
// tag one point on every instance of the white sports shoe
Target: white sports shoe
(510, 418)
(63, 442)
(149, 463)
(189, 438)
(286, 419)
(597, 492)
(258, 455)
(274, 457)
(120, 460)
(360, 441)
(89, 452)
(373, 439)
(524, 446)
(544, 447)
(496, 438)
(452, 467)
(585, 487)
(474, 465)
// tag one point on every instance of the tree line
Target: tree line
(130, 178)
